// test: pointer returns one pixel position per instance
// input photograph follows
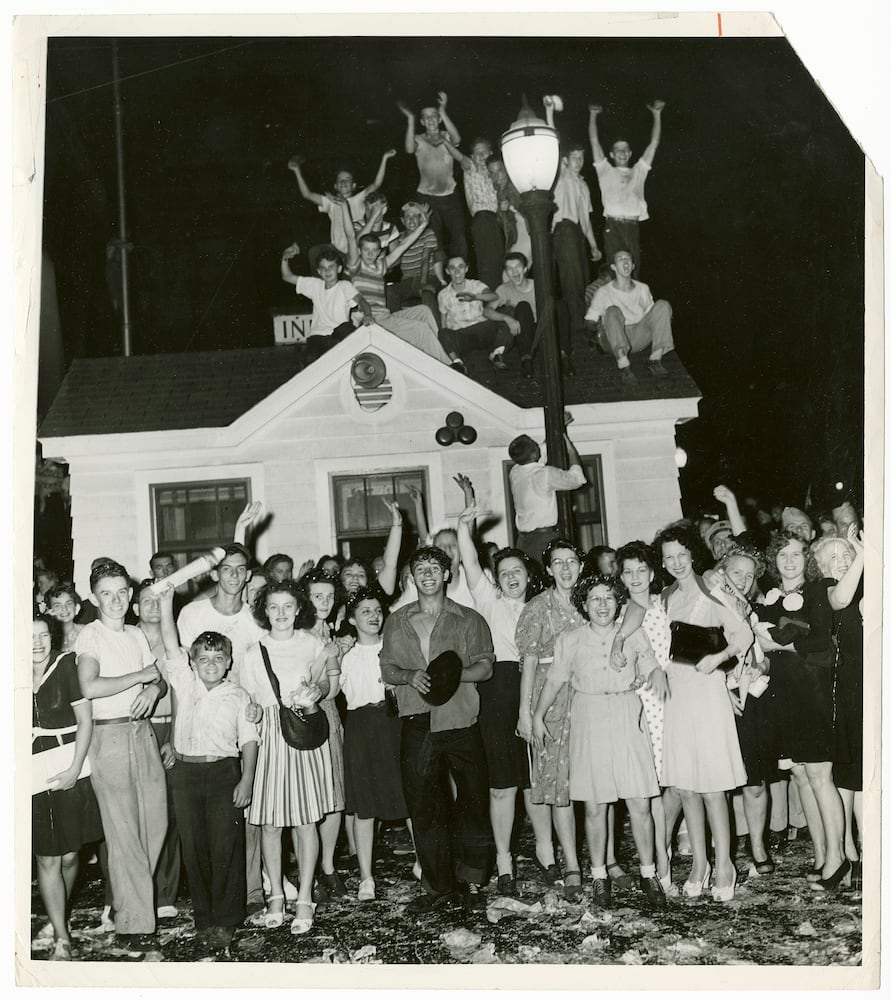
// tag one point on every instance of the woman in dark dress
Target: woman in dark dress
(64, 812)
(841, 560)
(796, 632)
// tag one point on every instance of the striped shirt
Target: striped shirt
(410, 263)
(370, 283)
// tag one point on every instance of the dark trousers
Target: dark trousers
(533, 543)
(572, 272)
(316, 346)
(169, 869)
(485, 336)
(453, 839)
(447, 218)
(410, 292)
(488, 248)
(212, 835)
(522, 313)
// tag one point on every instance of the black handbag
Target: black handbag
(300, 730)
(690, 643)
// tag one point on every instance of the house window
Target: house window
(587, 505)
(191, 518)
(362, 521)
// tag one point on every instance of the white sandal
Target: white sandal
(268, 920)
(302, 925)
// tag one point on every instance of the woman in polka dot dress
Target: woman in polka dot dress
(635, 563)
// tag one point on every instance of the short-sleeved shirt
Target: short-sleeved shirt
(509, 295)
(411, 261)
(581, 656)
(118, 652)
(208, 722)
(240, 629)
(370, 283)
(333, 210)
(573, 198)
(479, 191)
(635, 303)
(330, 306)
(291, 661)
(456, 315)
(534, 486)
(360, 676)
(622, 189)
(502, 614)
(436, 167)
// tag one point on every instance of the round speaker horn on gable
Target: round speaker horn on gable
(368, 371)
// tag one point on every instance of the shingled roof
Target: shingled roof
(154, 392)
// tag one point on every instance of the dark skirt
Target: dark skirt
(847, 756)
(756, 730)
(506, 753)
(803, 692)
(62, 822)
(372, 773)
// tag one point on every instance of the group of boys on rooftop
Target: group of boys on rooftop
(435, 305)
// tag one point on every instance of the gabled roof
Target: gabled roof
(157, 392)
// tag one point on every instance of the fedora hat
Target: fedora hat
(445, 676)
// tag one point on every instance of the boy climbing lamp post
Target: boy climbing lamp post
(531, 153)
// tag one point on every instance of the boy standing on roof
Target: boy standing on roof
(622, 186)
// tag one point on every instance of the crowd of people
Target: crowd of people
(707, 683)
(453, 297)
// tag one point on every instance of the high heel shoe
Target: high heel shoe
(302, 925)
(692, 890)
(550, 873)
(724, 893)
(269, 920)
(840, 877)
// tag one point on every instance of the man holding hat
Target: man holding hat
(435, 652)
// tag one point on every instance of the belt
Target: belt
(206, 759)
(622, 218)
(115, 722)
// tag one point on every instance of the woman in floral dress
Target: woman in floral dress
(542, 620)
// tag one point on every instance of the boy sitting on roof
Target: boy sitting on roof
(333, 299)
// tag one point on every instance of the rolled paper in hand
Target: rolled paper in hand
(203, 564)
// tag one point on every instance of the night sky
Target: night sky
(756, 202)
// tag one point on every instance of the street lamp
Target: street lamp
(530, 149)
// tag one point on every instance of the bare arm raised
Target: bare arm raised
(656, 110)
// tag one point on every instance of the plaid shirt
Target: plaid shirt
(478, 189)
(456, 315)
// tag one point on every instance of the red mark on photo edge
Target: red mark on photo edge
(720, 29)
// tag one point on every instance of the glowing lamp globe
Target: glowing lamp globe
(531, 152)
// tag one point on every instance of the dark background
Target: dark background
(756, 202)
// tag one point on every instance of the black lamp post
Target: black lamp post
(531, 152)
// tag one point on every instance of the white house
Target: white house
(164, 450)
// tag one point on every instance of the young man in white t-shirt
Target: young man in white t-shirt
(630, 321)
(117, 672)
(333, 299)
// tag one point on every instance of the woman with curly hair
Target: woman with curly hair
(541, 621)
(701, 755)
(735, 586)
(796, 629)
(501, 603)
(292, 788)
(841, 559)
(610, 756)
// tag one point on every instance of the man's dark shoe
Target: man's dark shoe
(458, 366)
(603, 896)
(333, 884)
(474, 900)
(628, 378)
(255, 903)
(657, 369)
(498, 363)
(427, 903)
(651, 887)
(506, 885)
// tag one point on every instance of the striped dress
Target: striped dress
(291, 787)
